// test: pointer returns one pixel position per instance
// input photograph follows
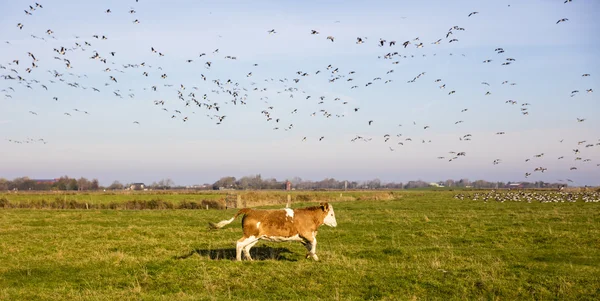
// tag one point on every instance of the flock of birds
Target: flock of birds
(28, 141)
(532, 196)
(22, 73)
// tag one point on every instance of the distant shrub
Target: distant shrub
(212, 204)
(189, 205)
(159, 204)
(4, 203)
(303, 198)
(376, 196)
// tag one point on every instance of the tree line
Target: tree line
(256, 182)
(72, 184)
(62, 183)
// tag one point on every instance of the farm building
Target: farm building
(137, 186)
(45, 181)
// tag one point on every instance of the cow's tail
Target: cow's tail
(226, 222)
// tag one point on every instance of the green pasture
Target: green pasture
(418, 246)
(108, 197)
(176, 199)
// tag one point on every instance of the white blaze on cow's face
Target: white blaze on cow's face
(330, 218)
(289, 212)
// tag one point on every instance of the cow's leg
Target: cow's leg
(313, 250)
(307, 244)
(311, 245)
(247, 249)
(241, 244)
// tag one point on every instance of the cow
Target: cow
(279, 225)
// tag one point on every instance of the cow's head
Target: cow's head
(330, 215)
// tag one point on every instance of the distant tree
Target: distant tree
(163, 184)
(393, 185)
(225, 182)
(95, 185)
(256, 182)
(4, 184)
(83, 184)
(60, 185)
(295, 180)
(244, 182)
(23, 183)
(416, 184)
(374, 184)
(72, 184)
(116, 185)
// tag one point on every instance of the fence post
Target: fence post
(238, 201)
(289, 201)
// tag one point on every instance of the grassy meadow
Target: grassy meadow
(414, 246)
(173, 199)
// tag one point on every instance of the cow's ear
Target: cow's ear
(325, 206)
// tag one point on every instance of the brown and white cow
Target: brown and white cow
(281, 225)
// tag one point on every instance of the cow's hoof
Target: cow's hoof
(314, 256)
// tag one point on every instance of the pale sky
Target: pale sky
(550, 60)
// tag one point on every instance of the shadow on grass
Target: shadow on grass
(257, 253)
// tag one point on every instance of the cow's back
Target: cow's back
(269, 223)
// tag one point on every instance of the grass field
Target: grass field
(424, 245)
(172, 199)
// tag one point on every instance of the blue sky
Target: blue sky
(106, 144)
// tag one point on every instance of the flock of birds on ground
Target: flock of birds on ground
(20, 74)
(532, 196)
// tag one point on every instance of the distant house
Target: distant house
(45, 181)
(436, 185)
(137, 186)
(515, 185)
